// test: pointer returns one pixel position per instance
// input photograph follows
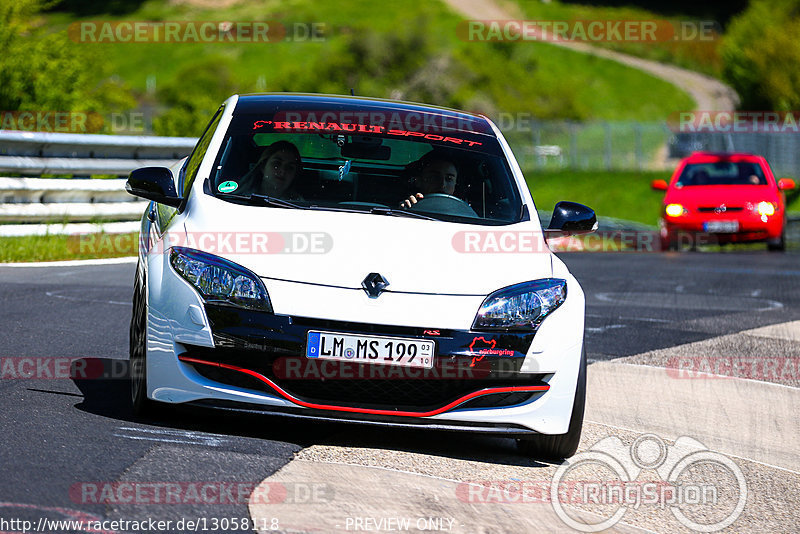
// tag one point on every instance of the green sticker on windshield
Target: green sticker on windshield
(227, 187)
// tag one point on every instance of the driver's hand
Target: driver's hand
(410, 201)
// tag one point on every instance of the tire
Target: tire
(779, 244)
(560, 446)
(137, 343)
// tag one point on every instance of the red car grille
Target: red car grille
(719, 209)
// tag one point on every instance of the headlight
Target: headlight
(522, 306)
(674, 210)
(766, 208)
(219, 280)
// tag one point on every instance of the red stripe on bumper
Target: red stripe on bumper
(299, 402)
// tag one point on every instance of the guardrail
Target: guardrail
(59, 205)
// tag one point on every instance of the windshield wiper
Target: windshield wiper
(375, 210)
(267, 200)
(400, 213)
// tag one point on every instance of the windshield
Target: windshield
(460, 176)
(722, 173)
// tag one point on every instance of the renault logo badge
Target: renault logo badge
(374, 284)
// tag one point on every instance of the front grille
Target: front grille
(713, 209)
(413, 394)
(500, 400)
(393, 394)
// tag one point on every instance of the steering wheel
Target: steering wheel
(445, 204)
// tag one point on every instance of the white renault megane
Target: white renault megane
(360, 260)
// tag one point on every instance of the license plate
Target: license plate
(370, 349)
(721, 227)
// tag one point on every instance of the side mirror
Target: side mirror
(153, 183)
(659, 185)
(572, 218)
(786, 183)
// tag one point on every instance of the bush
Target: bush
(761, 55)
(410, 64)
(193, 97)
(42, 71)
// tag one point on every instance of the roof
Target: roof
(723, 156)
(364, 110)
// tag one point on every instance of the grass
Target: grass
(521, 77)
(591, 145)
(623, 195)
(67, 247)
(701, 55)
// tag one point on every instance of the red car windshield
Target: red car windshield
(722, 173)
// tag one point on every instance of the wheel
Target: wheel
(559, 446)
(445, 204)
(138, 347)
(778, 244)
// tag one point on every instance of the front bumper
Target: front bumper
(231, 358)
(750, 228)
(265, 353)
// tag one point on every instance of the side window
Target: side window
(193, 163)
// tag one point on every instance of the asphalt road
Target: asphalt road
(61, 436)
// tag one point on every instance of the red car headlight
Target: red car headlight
(675, 210)
(766, 208)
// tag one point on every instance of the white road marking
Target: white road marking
(750, 418)
(171, 436)
(69, 263)
(620, 318)
(601, 329)
(688, 302)
(725, 453)
(55, 294)
(375, 479)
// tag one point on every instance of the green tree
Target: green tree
(193, 97)
(761, 55)
(409, 64)
(47, 71)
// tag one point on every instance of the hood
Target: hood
(340, 249)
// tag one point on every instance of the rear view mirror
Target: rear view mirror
(153, 183)
(659, 185)
(363, 147)
(786, 183)
(572, 218)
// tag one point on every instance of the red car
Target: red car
(723, 198)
